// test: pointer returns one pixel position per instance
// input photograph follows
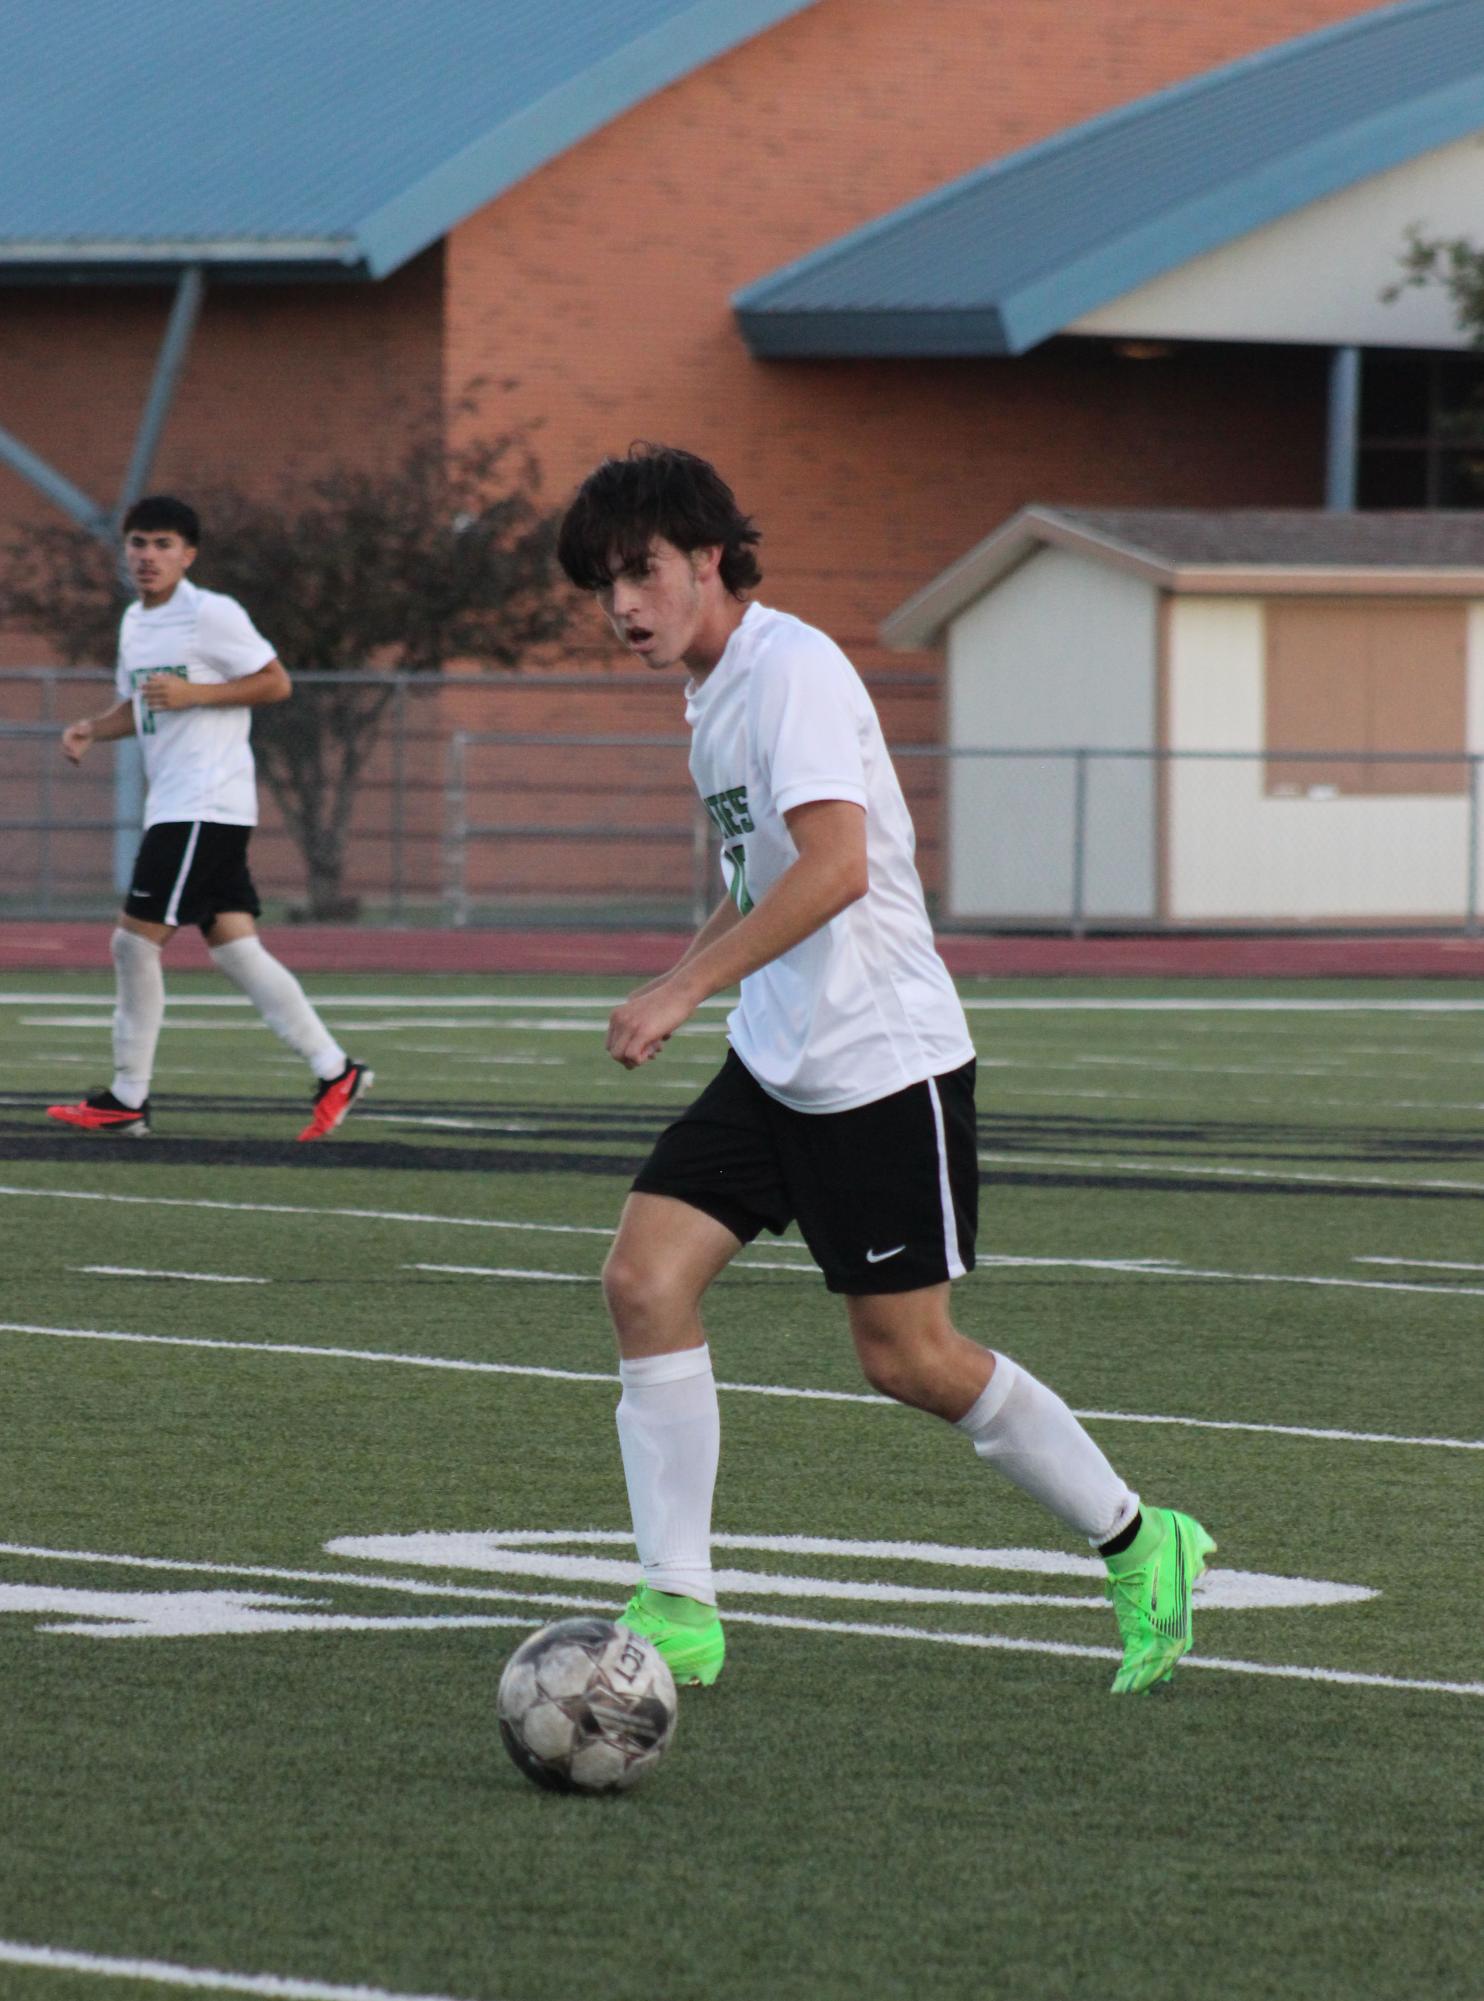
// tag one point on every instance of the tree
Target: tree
(1453, 262)
(449, 555)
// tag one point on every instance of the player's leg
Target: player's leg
(887, 1198)
(708, 1187)
(910, 1350)
(230, 929)
(161, 875)
(665, 1255)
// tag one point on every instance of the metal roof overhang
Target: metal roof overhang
(1004, 258)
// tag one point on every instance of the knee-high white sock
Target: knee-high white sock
(139, 1008)
(282, 1003)
(1026, 1430)
(669, 1430)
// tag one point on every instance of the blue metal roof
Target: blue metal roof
(1003, 258)
(319, 136)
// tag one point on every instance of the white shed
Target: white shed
(1279, 715)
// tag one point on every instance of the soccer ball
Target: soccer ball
(586, 1706)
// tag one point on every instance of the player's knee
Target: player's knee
(637, 1291)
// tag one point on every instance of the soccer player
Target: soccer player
(191, 668)
(846, 1101)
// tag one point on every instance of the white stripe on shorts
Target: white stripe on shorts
(172, 908)
(956, 1266)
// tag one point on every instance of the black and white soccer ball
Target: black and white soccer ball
(586, 1706)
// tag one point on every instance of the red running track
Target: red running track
(79, 948)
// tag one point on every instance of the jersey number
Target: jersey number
(736, 861)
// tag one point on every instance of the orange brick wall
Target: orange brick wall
(600, 288)
(280, 380)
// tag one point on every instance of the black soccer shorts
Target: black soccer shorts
(886, 1195)
(190, 872)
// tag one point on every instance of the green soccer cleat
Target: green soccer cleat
(1150, 1584)
(687, 1634)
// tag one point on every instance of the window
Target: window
(1369, 677)
(1421, 430)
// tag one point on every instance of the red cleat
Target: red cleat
(103, 1113)
(334, 1099)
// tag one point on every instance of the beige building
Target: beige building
(1211, 718)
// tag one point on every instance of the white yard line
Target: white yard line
(994, 1004)
(740, 1389)
(1102, 1164)
(140, 1271)
(203, 1980)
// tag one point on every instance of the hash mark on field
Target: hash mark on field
(1421, 1264)
(741, 1389)
(139, 1271)
(164, 1973)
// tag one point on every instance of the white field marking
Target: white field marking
(1094, 1164)
(214, 1615)
(1002, 1642)
(740, 1389)
(1000, 1004)
(459, 1125)
(310, 1209)
(1342, 1676)
(523, 1554)
(203, 1979)
(511, 1271)
(1420, 1264)
(139, 1271)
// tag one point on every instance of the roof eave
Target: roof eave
(867, 335)
(142, 261)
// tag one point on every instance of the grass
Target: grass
(1192, 1199)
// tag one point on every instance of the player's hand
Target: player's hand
(639, 1027)
(76, 739)
(168, 691)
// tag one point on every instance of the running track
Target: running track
(83, 948)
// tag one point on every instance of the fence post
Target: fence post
(1079, 844)
(399, 795)
(1471, 912)
(456, 835)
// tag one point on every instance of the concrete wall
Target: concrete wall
(1234, 854)
(1061, 653)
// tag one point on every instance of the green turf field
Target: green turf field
(266, 1545)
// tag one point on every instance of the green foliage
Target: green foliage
(1457, 264)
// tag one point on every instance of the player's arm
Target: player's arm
(108, 728)
(266, 684)
(721, 920)
(829, 875)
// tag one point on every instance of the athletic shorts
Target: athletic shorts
(886, 1195)
(189, 872)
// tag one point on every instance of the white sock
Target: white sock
(139, 1009)
(282, 1003)
(669, 1430)
(1026, 1430)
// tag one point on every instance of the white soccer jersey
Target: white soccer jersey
(864, 1006)
(198, 761)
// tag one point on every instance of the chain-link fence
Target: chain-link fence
(566, 799)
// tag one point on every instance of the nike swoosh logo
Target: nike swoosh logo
(879, 1257)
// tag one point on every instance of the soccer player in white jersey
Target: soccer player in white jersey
(846, 1101)
(191, 668)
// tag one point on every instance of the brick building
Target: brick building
(564, 204)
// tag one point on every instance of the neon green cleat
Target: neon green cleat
(687, 1633)
(1150, 1584)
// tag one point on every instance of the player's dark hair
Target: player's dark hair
(163, 514)
(655, 490)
